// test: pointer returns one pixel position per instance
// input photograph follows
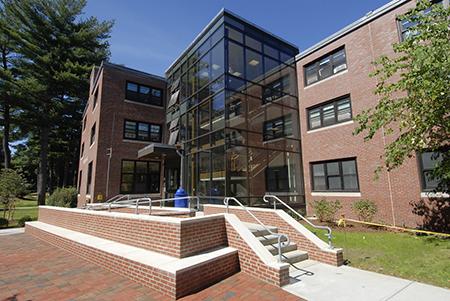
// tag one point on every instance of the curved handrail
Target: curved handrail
(279, 235)
(265, 199)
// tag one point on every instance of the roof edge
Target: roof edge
(351, 27)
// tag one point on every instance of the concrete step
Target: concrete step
(259, 230)
(270, 239)
(295, 256)
(273, 249)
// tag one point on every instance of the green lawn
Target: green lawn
(24, 207)
(421, 258)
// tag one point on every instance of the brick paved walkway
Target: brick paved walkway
(33, 270)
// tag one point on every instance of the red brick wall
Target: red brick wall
(362, 46)
(175, 286)
(109, 115)
(251, 264)
(175, 239)
(271, 218)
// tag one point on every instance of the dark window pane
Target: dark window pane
(235, 59)
(235, 35)
(254, 67)
(339, 61)
(218, 111)
(334, 183)
(270, 64)
(252, 43)
(270, 51)
(130, 130)
(328, 115)
(144, 90)
(337, 176)
(325, 68)
(314, 118)
(143, 131)
(132, 87)
(127, 166)
(217, 60)
(333, 168)
(349, 167)
(350, 182)
(311, 74)
(343, 110)
(319, 183)
(141, 167)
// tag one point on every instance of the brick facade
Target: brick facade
(109, 114)
(392, 191)
(279, 219)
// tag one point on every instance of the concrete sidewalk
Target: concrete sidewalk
(11, 231)
(315, 281)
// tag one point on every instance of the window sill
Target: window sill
(144, 104)
(430, 194)
(138, 141)
(326, 79)
(337, 194)
(330, 127)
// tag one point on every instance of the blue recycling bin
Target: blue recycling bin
(180, 198)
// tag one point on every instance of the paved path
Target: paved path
(316, 282)
(33, 270)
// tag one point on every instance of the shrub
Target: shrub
(326, 210)
(23, 219)
(63, 197)
(12, 185)
(4, 222)
(365, 210)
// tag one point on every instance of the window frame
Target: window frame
(320, 106)
(147, 174)
(422, 171)
(341, 175)
(136, 131)
(283, 135)
(93, 134)
(316, 62)
(152, 99)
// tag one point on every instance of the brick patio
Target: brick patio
(32, 269)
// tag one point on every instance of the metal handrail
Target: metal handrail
(142, 201)
(265, 198)
(279, 235)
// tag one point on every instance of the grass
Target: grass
(24, 206)
(420, 258)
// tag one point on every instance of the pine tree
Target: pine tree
(58, 48)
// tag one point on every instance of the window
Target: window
(82, 150)
(95, 99)
(428, 162)
(142, 131)
(89, 179)
(330, 113)
(277, 179)
(140, 177)
(406, 26)
(277, 128)
(80, 176)
(325, 67)
(275, 89)
(143, 94)
(92, 135)
(339, 175)
(254, 66)
(84, 122)
(235, 59)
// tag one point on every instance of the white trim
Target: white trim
(136, 141)
(434, 195)
(329, 127)
(144, 104)
(338, 194)
(93, 143)
(326, 79)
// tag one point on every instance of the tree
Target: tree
(58, 48)
(12, 185)
(413, 90)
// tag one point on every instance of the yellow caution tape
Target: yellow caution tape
(396, 228)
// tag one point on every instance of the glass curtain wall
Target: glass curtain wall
(238, 112)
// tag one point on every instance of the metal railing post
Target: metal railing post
(279, 235)
(328, 234)
(136, 211)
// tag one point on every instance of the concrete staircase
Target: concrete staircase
(290, 253)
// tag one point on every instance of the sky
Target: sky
(149, 35)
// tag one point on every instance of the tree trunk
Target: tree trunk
(42, 171)
(6, 119)
(5, 139)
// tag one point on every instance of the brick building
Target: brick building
(334, 85)
(239, 104)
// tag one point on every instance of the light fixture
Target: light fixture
(253, 62)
